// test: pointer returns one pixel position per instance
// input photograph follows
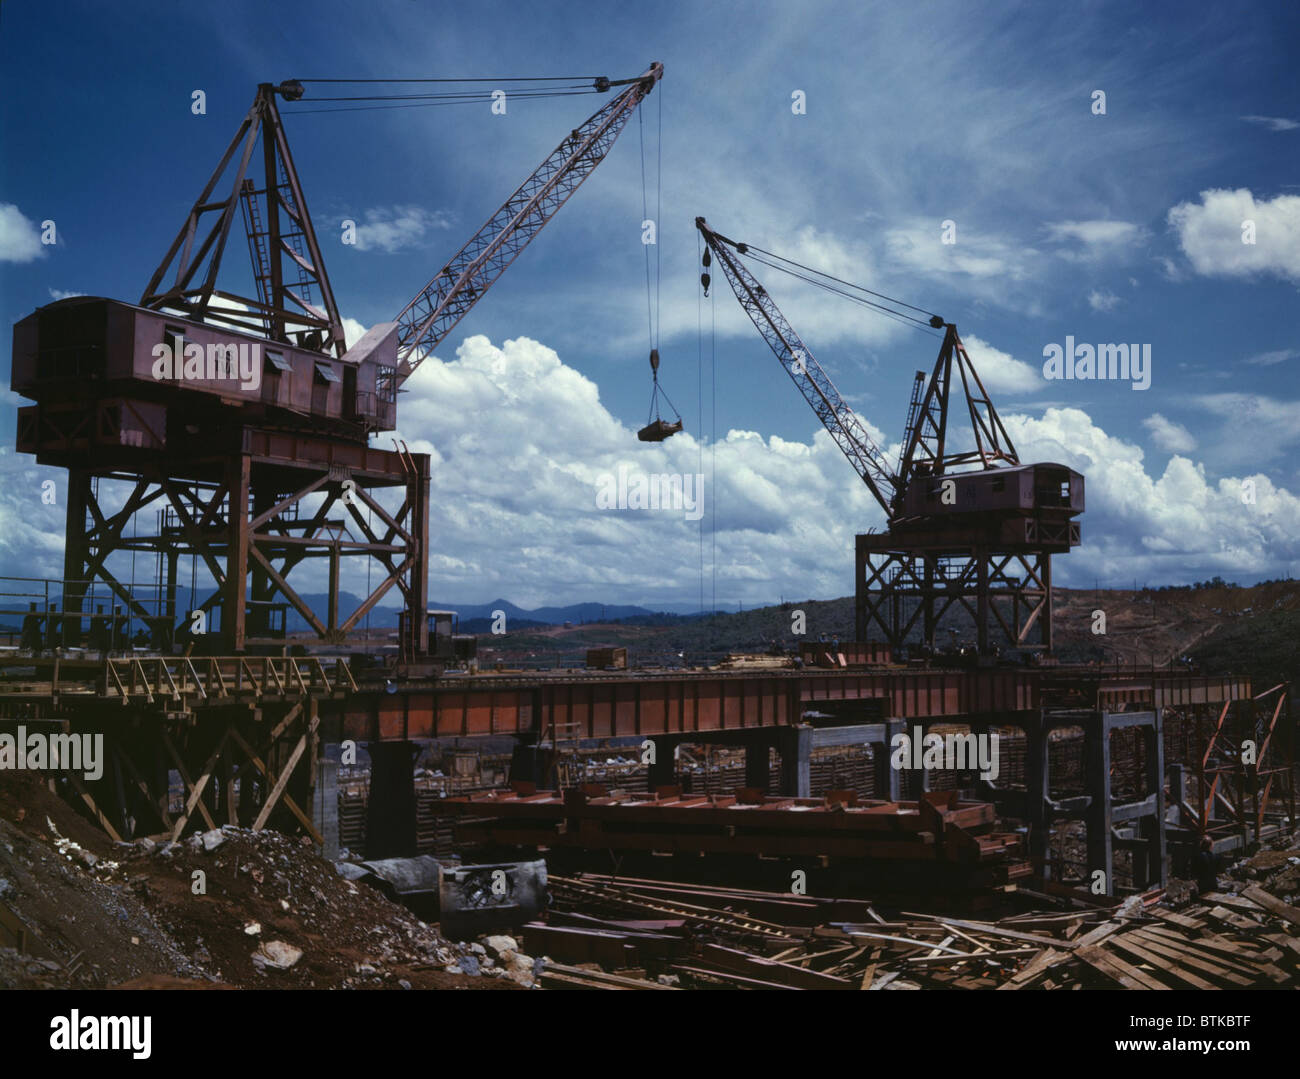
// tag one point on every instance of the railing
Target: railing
(34, 614)
(211, 678)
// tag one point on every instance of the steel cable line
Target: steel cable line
(897, 316)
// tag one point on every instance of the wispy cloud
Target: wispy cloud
(1169, 435)
(1273, 123)
(396, 228)
(1103, 300)
(1090, 241)
(1271, 359)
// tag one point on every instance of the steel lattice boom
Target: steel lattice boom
(445, 300)
(843, 424)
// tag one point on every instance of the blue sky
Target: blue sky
(1117, 227)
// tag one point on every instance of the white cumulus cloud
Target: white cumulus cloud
(1000, 371)
(20, 240)
(1211, 234)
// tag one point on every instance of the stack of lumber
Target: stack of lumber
(699, 936)
(1246, 941)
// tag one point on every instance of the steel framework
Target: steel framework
(902, 592)
(246, 513)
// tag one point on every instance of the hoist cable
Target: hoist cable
(645, 213)
(897, 316)
(429, 104)
(462, 94)
(475, 78)
(837, 280)
(659, 205)
(699, 405)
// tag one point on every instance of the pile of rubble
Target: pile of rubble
(225, 907)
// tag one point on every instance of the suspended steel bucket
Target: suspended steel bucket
(658, 431)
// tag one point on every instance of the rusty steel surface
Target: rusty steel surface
(940, 828)
(613, 704)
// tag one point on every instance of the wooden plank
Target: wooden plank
(769, 970)
(1036, 968)
(870, 972)
(1272, 904)
(920, 944)
(84, 794)
(195, 799)
(290, 804)
(989, 929)
(738, 980)
(1232, 918)
(273, 796)
(1236, 901)
(1169, 960)
(1221, 949)
(941, 959)
(1099, 933)
(979, 944)
(1117, 970)
(283, 725)
(1179, 919)
(1282, 940)
(842, 968)
(594, 979)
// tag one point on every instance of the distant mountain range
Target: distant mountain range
(474, 617)
(478, 617)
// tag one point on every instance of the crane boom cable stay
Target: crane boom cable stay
(476, 94)
(837, 280)
(468, 78)
(533, 87)
(478, 99)
(897, 316)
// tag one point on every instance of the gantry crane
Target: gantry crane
(973, 527)
(230, 460)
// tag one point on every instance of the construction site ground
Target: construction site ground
(101, 914)
(274, 914)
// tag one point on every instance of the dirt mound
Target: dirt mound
(230, 906)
